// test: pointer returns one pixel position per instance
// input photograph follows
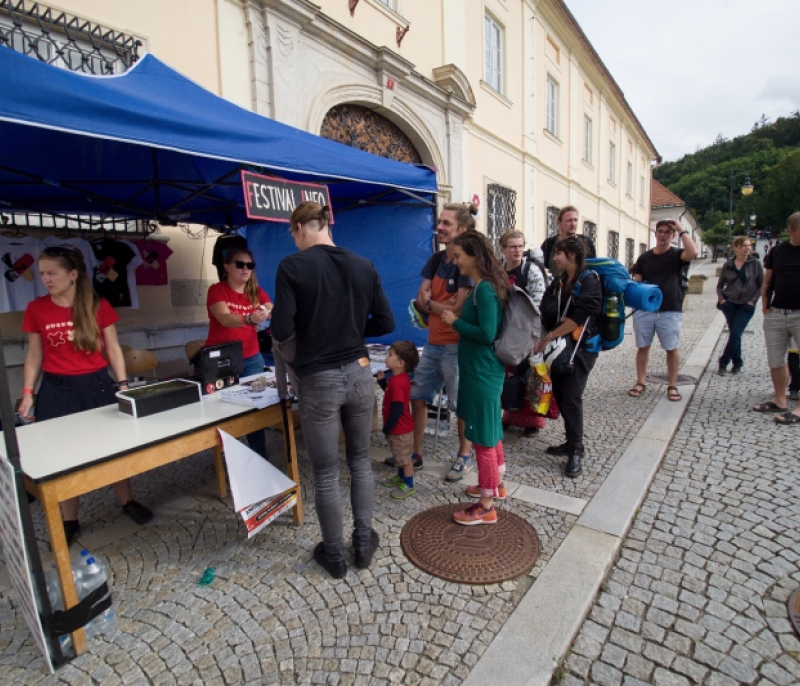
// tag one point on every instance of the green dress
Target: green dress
(480, 373)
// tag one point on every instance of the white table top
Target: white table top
(59, 446)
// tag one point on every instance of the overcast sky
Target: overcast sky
(692, 69)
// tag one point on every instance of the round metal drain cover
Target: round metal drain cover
(481, 554)
(793, 605)
(683, 379)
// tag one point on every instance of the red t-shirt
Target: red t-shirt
(238, 303)
(398, 390)
(54, 324)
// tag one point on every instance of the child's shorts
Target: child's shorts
(401, 447)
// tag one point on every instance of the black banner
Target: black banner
(274, 200)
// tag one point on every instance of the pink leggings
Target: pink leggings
(491, 467)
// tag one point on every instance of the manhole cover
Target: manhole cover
(794, 609)
(683, 379)
(482, 554)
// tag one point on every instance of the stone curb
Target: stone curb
(542, 628)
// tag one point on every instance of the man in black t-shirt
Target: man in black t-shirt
(781, 304)
(567, 223)
(666, 267)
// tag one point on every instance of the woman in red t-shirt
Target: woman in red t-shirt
(236, 306)
(67, 330)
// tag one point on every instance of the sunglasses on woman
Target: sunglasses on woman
(241, 264)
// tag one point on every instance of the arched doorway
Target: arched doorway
(362, 128)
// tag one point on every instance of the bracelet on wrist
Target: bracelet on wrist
(27, 391)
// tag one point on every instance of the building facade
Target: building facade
(667, 205)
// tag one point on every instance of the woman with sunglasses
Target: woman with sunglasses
(235, 307)
(68, 331)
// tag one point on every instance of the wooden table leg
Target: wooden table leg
(58, 541)
(219, 465)
(291, 458)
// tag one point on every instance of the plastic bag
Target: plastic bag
(540, 387)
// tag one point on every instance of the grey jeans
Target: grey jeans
(328, 399)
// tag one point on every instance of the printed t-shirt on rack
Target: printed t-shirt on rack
(111, 273)
(133, 266)
(238, 303)
(21, 280)
(54, 324)
(153, 269)
(81, 244)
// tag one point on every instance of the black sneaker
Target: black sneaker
(722, 371)
(337, 570)
(736, 369)
(364, 557)
(530, 431)
(562, 449)
(72, 528)
(416, 460)
(138, 513)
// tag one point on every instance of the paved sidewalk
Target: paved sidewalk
(273, 616)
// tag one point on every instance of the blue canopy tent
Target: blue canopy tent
(153, 145)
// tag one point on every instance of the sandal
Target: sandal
(768, 406)
(672, 394)
(637, 390)
(787, 418)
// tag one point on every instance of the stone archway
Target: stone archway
(363, 128)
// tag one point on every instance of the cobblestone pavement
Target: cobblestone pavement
(698, 594)
(272, 616)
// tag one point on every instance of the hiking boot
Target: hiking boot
(475, 491)
(416, 460)
(563, 449)
(574, 462)
(475, 514)
(461, 465)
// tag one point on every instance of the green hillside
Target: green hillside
(771, 155)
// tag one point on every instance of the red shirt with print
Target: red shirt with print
(238, 303)
(398, 390)
(54, 324)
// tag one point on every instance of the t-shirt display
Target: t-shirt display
(238, 303)
(133, 267)
(667, 271)
(398, 390)
(80, 244)
(152, 271)
(54, 324)
(21, 281)
(444, 285)
(111, 273)
(784, 261)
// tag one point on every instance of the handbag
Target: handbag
(513, 396)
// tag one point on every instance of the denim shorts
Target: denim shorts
(666, 324)
(780, 326)
(438, 366)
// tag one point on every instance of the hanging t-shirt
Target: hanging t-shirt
(152, 271)
(111, 273)
(54, 324)
(21, 281)
(238, 303)
(133, 266)
(81, 244)
(444, 285)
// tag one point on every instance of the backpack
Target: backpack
(520, 330)
(614, 278)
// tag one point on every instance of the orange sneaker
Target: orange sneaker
(475, 514)
(475, 491)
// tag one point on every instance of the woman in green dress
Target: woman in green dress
(481, 374)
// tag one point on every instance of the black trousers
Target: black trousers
(794, 372)
(568, 391)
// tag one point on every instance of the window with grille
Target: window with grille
(613, 244)
(630, 247)
(642, 248)
(552, 219)
(64, 40)
(552, 105)
(493, 53)
(590, 231)
(501, 211)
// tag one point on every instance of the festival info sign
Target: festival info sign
(12, 539)
(274, 200)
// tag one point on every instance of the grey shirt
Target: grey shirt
(731, 287)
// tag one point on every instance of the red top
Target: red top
(398, 390)
(54, 324)
(238, 303)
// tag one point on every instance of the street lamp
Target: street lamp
(747, 189)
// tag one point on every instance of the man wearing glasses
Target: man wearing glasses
(667, 267)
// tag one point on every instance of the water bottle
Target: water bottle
(94, 576)
(611, 323)
(57, 603)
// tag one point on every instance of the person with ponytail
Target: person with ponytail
(481, 373)
(571, 309)
(69, 330)
(327, 300)
(236, 306)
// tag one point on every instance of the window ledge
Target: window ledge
(396, 17)
(502, 98)
(629, 196)
(552, 137)
(588, 165)
(611, 183)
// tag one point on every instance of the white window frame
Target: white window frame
(629, 181)
(493, 39)
(587, 139)
(551, 120)
(612, 163)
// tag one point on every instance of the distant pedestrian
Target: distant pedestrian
(781, 306)
(567, 224)
(738, 290)
(666, 267)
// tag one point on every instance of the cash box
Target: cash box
(158, 397)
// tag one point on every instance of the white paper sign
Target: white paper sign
(16, 556)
